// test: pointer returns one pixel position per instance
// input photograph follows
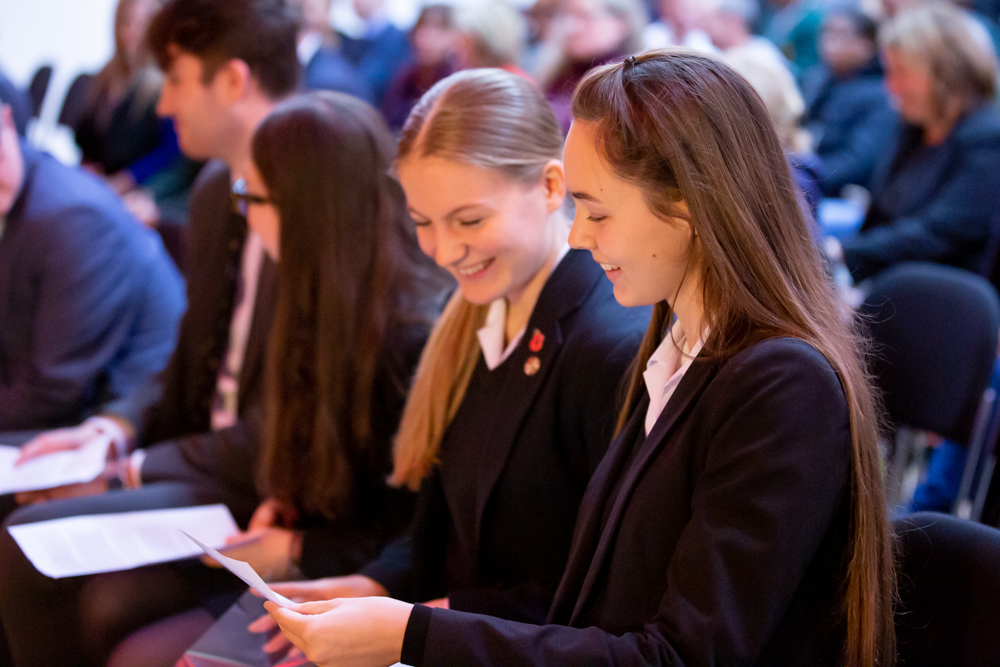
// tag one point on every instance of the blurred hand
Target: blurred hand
(352, 586)
(58, 440)
(364, 632)
(142, 206)
(268, 549)
(93, 488)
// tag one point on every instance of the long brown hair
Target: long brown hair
(124, 69)
(685, 127)
(487, 118)
(344, 279)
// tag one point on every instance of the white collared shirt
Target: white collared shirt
(665, 369)
(491, 335)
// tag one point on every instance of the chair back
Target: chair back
(949, 588)
(934, 330)
(38, 87)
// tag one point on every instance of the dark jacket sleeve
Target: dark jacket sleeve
(867, 141)
(227, 456)
(90, 307)
(135, 378)
(954, 221)
(774, 473)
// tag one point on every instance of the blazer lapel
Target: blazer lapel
(565, 290)
(690, 388)
(588, 523)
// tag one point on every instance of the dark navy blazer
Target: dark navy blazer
(89, 300)
(718, 539)
(932, 203)
(378, 58)
(522, 447)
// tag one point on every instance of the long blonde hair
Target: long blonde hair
(684, 126)
(492, 119)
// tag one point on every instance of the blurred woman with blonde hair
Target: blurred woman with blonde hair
(937, 190)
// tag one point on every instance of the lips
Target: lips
(473, 269)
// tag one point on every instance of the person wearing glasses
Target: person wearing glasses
(226, 64)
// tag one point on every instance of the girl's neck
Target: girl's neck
(690, 310)
(521, 302)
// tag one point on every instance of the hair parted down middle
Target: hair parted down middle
(685, 127)
(487, 118)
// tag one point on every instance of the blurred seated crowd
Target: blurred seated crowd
(136, 305)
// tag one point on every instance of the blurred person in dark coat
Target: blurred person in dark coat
(324, 67)
(380, 52)
(433, 39)
(848, 114)
(89, 300)
(937, 190)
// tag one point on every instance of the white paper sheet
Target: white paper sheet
(52, 470)
(243, 570)
(111, 542)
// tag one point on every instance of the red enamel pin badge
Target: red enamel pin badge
(536, 342)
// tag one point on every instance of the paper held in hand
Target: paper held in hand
(82, 545)
(52, 470)
(246, 573)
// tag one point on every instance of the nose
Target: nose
(449, 249)
(580, 234)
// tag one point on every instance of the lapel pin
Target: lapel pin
(537, 340)
(532, 365)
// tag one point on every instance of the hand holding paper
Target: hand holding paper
(246, 573)
(59, 468)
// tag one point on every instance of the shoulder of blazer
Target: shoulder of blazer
(784, 357)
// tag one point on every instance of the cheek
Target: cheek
(426, 240)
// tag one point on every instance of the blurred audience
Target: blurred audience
(490, 34)
(848, 114)
(380, 51)
(794, 26)
(227, 63)
(433, 39)
(729, 22)
(935, 193)
(588, 33)
(775, 84)
(113, 115)
(681, 23)
(325, 68)
(89, 299)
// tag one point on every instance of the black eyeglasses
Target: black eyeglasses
(242, 199)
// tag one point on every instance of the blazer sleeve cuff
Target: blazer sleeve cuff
(415, 637)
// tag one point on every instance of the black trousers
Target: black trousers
(79, 620)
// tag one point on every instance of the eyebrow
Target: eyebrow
(451, 214)
(584, 196)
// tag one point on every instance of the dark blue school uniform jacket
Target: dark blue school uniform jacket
(494, 521)
(719, 539)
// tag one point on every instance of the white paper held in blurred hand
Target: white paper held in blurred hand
(81, 545)
(56, 469)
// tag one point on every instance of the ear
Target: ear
(554, 182)
(232, 81)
